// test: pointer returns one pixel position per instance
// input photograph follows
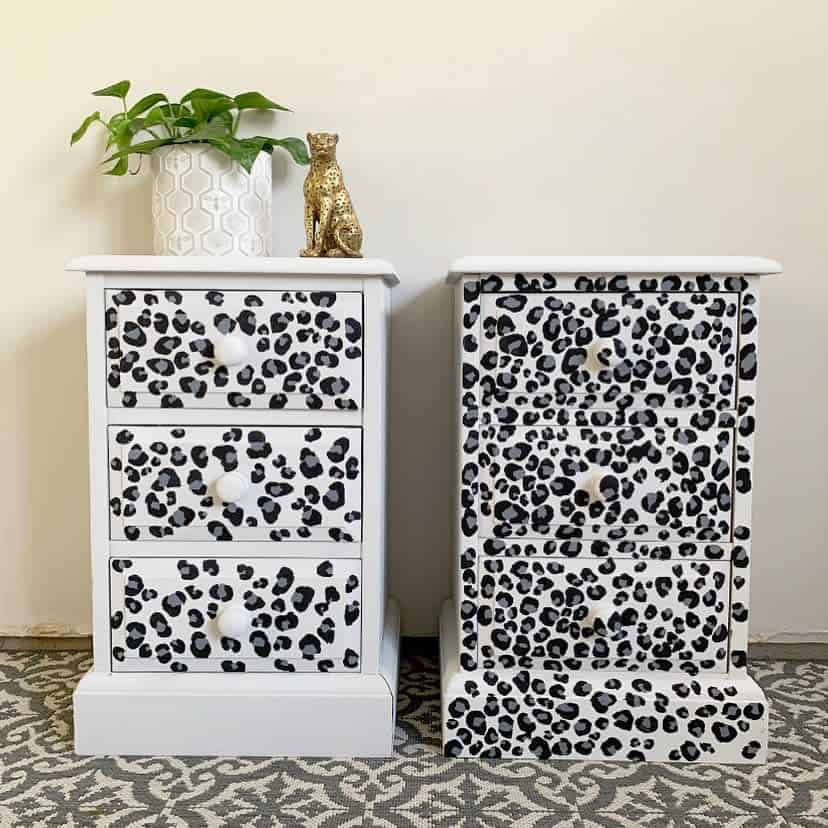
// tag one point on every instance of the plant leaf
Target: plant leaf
(135, 125)
(185, 121)
(214, 129)
(206, 109)
(120, 168)
(255, 100)
(174, 110)
(159, 114)
(141, 148)
(203, 116)
(245, 151)
(117, 90)
(145, 103)
(202, 93)
(154, 116)
(224, 118)
(295, 146)
(81, 130)
(119, 132)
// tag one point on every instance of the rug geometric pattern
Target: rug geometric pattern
(43, 783)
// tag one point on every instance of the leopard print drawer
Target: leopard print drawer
(237, 349)
(654, 349)
(612, 614)
(235, 615)
(660, 483)
(235, 484)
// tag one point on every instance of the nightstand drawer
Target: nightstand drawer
(235, 483)
(660, 483)
(658, 349)
(604, 614)
(234, 349)
(235, 615)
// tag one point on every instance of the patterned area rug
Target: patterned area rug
(42, 783)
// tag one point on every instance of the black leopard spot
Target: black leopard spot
(283, 581)
(173, 603)
(159, 624)
(200, 646)
(690, 752)
(187, 571)
(309, 646)
(219, 531)
(221, 592)
(135, 633)
(754, 711)
(260, 643)
(302, 598)
(309, 464)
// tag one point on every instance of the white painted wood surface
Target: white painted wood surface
(611, 264)
(313, 714)
(207, 335)
(250, 549)
(254, 478)
(232, 417)
(661, 695)
(161, 576)
(234, 715)
(569, 595)
(265, 266)
(98, 470)
(374, 465)
(246, 715)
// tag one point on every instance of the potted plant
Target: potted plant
(211, 189)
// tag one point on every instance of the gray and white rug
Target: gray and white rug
(42, 782)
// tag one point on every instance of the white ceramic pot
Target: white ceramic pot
(204, 204)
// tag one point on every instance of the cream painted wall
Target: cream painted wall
(466, 128)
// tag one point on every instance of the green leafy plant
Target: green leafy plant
(202, 116)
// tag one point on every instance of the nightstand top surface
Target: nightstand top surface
(237, 264)
(472, 265)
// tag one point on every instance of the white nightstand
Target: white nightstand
(237, 423)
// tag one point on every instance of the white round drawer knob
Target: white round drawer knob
(231, 487)
(593, 486)
(602, 487)
(233, 622)
(598, 615)
(594, 361)
(230, 350)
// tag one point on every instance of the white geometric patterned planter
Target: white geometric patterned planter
(204, 204)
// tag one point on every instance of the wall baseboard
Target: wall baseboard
(810, 637)
(19, 643)
(788, 651)
(44, 631)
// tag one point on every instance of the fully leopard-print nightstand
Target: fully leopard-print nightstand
(237, 423)
(607, 409)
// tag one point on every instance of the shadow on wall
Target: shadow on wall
(55, 478)
(421, 454)
(116, 211)
(52, 409)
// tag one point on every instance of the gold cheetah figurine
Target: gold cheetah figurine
(331, 225)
